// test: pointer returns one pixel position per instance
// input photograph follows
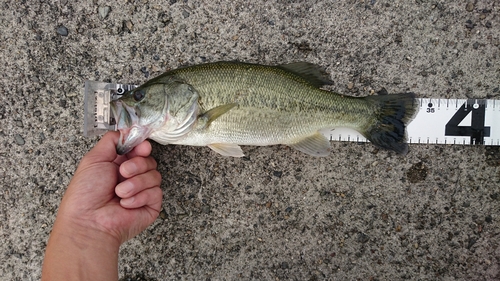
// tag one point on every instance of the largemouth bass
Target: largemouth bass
(224, 105)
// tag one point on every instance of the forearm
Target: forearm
(80, 254)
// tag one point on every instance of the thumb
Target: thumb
(104, 150)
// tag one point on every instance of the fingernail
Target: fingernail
(125, 188)
(128, 201)
(129, 168)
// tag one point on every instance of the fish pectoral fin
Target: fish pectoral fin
(313, 73)
(216, 112)
(227, 149)
(315, 145)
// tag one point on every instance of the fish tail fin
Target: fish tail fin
(393, 113)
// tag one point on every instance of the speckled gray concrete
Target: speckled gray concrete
(360, 214)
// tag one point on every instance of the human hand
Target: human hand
(118, 195)
(110, 199)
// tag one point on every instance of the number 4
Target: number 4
(476, 131)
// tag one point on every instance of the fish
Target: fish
(226, 104)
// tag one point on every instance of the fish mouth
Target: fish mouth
(127, 123)
(130, 138)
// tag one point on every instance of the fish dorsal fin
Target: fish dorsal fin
(215, 113)
(227, 149)
(382, 92)
(315, 145)
(311, 72)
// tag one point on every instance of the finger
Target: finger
(104, 150)
(137, 184)
(136, 166)
(142, 150)
(151, 197)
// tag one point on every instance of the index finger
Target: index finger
(141, 150)
(105, 150)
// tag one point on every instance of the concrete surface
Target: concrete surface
(360, 214)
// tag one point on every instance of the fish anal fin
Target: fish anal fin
(216, 112)
(314, 145)
(312, 73)
(227, 149)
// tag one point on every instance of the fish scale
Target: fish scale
(226, 104)
(271, 94)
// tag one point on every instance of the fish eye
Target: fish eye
(139, 95)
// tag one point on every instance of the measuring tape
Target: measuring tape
(438, 121)
(445, 121)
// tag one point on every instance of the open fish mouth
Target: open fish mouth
(130, 138)
(127, 122)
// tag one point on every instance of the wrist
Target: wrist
(76, 252)
(84, 235)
